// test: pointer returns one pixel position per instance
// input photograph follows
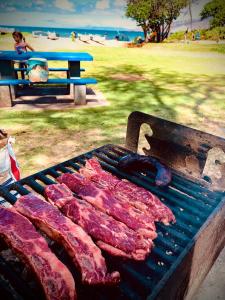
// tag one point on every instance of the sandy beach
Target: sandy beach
(44, 44)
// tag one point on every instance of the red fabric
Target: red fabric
(14, 168)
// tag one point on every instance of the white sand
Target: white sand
(44, 44)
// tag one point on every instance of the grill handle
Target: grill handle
(198, 155)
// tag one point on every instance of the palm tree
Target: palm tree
(190, 12)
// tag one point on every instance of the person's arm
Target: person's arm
(29, 47)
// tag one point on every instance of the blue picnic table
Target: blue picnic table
(7, 59)
(74, 59)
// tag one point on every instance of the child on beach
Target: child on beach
(20, 43)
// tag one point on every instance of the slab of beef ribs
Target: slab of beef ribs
(78, 244)
(22, 237)
(127, 191)
(104, 200)
(111, 235)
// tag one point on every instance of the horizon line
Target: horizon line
(83, 27)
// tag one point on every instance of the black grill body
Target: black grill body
(175, 268)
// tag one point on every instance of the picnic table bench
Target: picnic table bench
(9, 74)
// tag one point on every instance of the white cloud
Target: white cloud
(64, 4)
(102, 4)
(103, 18)
(119, 3)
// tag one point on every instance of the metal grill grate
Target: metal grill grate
(190, 201)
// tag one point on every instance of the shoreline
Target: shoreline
(43, 43)
(66, 44)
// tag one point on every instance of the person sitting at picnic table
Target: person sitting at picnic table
(20, 43)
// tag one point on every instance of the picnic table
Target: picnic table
(74, 59)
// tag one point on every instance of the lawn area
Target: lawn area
(167, 81)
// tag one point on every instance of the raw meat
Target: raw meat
(104, 200)
(127, 191)
(32, 248)
(85, 254)
(113, 236)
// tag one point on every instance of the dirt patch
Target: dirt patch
(128, 77)
(36, 151)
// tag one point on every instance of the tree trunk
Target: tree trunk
(162, 32)
(145, 34)
(145, 31)
(190, 13)
(167, 30)
(158, 37)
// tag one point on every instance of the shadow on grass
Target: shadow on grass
(154, 92)
(48, 137)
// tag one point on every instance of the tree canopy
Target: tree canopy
(216, 10)
(155, 15)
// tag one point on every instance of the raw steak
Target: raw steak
(85, 254)
(127, 191)
(22, 237)
(111, 235)
(104, 200)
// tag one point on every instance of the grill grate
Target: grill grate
(190, 201)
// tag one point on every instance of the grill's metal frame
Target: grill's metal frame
(194, 241)
(183, 148)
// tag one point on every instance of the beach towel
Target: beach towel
(9, 168)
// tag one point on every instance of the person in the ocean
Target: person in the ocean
(20, 43)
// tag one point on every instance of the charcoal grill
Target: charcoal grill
(183, 252)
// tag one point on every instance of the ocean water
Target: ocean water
(66, 32)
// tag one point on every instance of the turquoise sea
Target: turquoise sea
(66, 32)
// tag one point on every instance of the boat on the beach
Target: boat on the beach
(37, 34)
(52, 36)
(4, 30)
(92, 37)
(84, 37)
(98, 38)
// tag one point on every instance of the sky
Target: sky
(75, 13)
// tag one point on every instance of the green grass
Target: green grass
(183, 86)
